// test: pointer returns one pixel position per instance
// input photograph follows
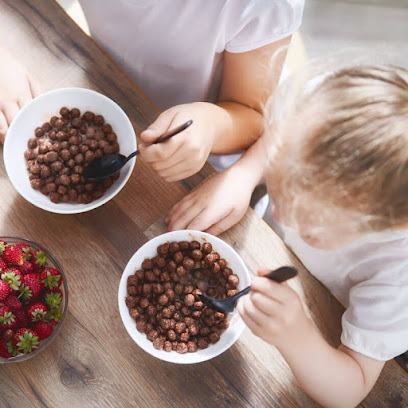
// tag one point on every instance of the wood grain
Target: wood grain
(93, 362)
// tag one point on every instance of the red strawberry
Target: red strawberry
(31, 287)
(3, 265)
(43, 329)
(37, 311)
(13, 303)
(3, 245)
(12, 276)
(4, 290)
(21, 319)
(39, 259)
(7, 317)
(27, 267)
(26, 249)
(55, 315)
(25, 340)
(51, 278)
(4, 349)
(53, 299)
(13, 255)
(8, 334)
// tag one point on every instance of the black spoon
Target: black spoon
(227, 305)
(111, 163)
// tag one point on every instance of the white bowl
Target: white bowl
(40, 110)
(149, 250)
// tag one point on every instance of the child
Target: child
(337, 173)
(204, 62)
(17, 87)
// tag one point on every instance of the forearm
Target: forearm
(235, 126)
(328, 375)
(249, 169)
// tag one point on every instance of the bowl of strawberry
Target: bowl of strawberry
(33, 298)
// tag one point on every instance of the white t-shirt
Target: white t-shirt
(370, 278)
(173, 49)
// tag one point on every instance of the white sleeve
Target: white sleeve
(255, 23)
(376, 322)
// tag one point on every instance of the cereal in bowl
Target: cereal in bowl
(163, 296)
(59, 150)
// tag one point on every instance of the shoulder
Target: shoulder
(253, 23)
(375, 322)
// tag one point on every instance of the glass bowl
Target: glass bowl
(53, 263)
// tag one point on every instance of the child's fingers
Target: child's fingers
(35, 86)
(161, 167)
(266, 304)
(253, 318)
(179, 208)
(157, 152)
(184, 219)
(223, 224)
(179, 176)
(160, 126)
(206, 220)
(10, 111)
(263, 271)
(172, 171)
(3, 127)
(280, 292)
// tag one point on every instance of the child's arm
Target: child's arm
(332, 377)
(221, 201)
(233, 124)
(17, 87)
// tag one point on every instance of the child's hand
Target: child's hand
(186, 153)
(17, 87)
(273, 311)
(219, 203)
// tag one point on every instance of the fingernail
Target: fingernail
(149, 133)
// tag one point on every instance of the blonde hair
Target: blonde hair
(339, 142)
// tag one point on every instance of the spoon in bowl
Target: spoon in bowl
(227, 305)
(108, 165)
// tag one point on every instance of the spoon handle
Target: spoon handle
(281, 274)
(173, 132)
(278, 275)
(165, 137)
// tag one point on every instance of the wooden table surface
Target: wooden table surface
(93, 362)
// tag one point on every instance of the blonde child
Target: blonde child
(200, 61)
(336, 168)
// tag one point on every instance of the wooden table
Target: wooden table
(93, 362)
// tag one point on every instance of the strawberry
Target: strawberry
(51, 278)
(39, 260)
(12, 276)
(3, 265)
(30, 288)
(13, 303)
(8, 334)
(4, 348)
(7, 317)
(25, 340)
(54, 316)
(26, 249)
(37, 311)
(53, 299)
(43, 329)
(27, 267)
(13, 255)
(21, 319)
(3, 245)
(4, 290)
